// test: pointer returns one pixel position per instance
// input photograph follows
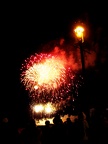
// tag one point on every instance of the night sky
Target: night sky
(25, 27)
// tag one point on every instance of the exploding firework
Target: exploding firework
(49, 78)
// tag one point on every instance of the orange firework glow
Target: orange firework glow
(48, 78)
(48, 74)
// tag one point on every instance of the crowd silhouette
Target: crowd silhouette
(78, 132)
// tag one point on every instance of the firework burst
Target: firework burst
(48, 78)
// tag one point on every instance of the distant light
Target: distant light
(38, 108)
(46, 108)
(49, 108)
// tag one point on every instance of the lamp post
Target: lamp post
(79, 31)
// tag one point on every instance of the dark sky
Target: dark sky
(26, 26)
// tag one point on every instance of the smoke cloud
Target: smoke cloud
(72, 56)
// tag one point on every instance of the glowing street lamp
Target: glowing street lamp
(79, 31)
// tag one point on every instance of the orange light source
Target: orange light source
(79, 32)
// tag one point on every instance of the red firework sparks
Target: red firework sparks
(47, 77)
